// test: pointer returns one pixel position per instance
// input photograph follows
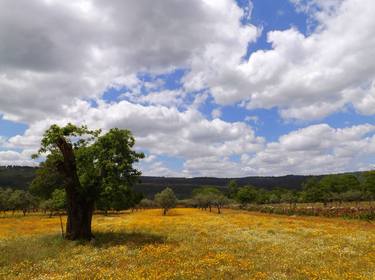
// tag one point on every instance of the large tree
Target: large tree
(89, 162)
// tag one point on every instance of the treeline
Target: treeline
(17, 200)
(332, 192)
(329, 189)
(19, 177)
(46, 193)
(55, 202)
(21, 200)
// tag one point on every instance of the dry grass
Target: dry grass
(190, 244)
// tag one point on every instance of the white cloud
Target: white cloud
(2, 140)
(16, 158)
(54, 64)
(305, 77)
(216, 113)
(316, 149)
(254, 119)
(77, 49)
(158, 168)
(158, 129)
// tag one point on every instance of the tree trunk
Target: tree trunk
(80, 208)
(78, 225)
(164, 212)
(218, 210)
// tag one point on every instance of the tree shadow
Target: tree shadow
(131, 239)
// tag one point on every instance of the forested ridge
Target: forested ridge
(20, 177)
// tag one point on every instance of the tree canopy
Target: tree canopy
(166, 200)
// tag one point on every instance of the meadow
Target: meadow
(190, 244)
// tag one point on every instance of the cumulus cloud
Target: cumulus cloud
(316, 149)
(16, 158)
(305, 76)
(216, 147)
(79, 49)
(216, 113)
(158, 129)
(56, 66)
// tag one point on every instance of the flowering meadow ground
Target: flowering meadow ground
(190, 244)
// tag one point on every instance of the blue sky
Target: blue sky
(210, 88)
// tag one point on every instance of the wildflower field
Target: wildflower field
(190, 244)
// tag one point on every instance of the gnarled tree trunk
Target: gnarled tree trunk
(80, 208)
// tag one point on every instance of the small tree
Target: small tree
(246, 195)
(47, 206)
(22, 200)
(166, 200)
(290, 197)
(219, 200)
(202, 201)
(205, 196)
(146, 203)
(6, 203)
(3, 200)
(57, 202)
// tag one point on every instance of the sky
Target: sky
(220, 88)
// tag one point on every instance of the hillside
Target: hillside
(20, 177)
(183, 186)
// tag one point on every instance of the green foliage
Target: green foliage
(219, 201)
(47, 179)
(339, 183)
(146, 203)
(206, 190)
(16, 177)
(58, 200)
(166, 199)
(369, 183)
(104, 165)
(246, 195)
(5, 203)
(18, 200)
(207, 196)
(232, 189)
(77, 136)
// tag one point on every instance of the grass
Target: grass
(190, 244)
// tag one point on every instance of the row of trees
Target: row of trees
(204, 198)
(56, 202)
(208, 197)
(20, 200)
(332, 188)
(328, 189)
(17, 200)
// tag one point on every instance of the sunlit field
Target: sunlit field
(190, 244)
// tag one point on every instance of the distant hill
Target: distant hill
(184, 186)
(19, 177)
